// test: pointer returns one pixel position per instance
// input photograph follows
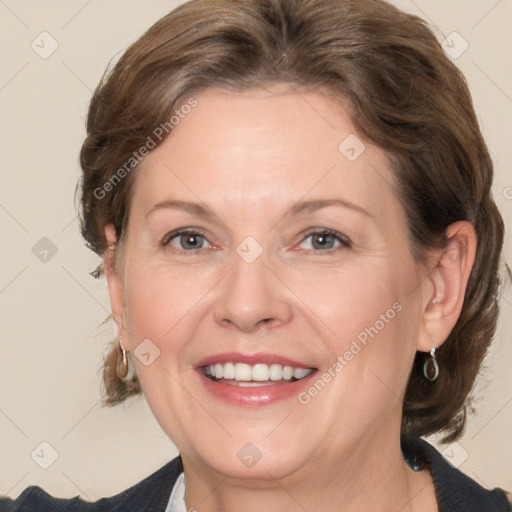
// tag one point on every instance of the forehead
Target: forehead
(264, 146)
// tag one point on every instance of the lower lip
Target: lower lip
(255, 396)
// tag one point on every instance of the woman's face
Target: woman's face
(264, 235)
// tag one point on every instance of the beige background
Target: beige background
(51, 335)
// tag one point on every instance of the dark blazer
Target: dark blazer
(455, 491)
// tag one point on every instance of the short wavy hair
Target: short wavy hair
(402, 93)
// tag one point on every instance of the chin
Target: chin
(260, 459)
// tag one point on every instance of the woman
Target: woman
(292, 203)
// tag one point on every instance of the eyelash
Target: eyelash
(175, 234)
(344, 241)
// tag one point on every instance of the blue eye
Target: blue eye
(186, 240)
(326, 241)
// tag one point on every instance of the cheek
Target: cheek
(354, 299)
(373, 320)
(161, 304)
(159, 299)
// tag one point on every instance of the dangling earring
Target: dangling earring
(432, 359)
(121, 361)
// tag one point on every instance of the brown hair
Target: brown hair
(403, 93)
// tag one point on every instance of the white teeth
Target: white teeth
(276, 372)
(287, 372)
(229, 371)
(300, 373)
(260, 372)
(242, 371)
(255, 373)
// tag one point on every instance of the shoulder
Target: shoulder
(34, 499)
(455, 490)
(151, 494)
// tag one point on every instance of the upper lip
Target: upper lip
(251, 359)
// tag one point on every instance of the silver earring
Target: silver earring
(435, 301)
(433, 361)
(121, 361)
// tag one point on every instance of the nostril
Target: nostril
(249, 326)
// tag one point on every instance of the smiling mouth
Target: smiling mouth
(246, 375)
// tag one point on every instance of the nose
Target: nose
(253, 296)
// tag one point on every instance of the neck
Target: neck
(371, 476)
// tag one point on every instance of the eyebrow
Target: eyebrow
(297, 209)
(186, 206)
(313, 205)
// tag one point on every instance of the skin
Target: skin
(249, 157)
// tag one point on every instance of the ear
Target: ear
(444, 288)
(114, 279)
